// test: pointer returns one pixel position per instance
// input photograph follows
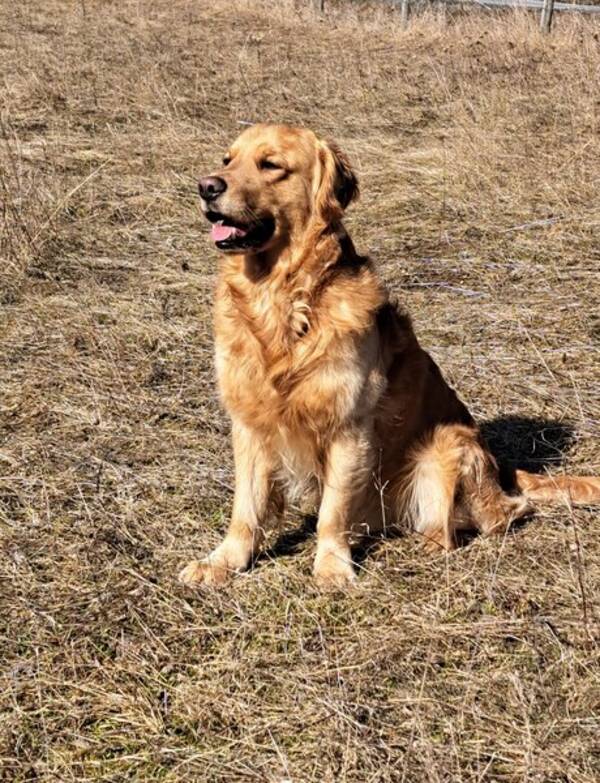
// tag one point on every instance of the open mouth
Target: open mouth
(228, 234)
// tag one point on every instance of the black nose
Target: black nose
(211, 187)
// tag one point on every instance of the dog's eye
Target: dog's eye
(269, 164)
(226, 160)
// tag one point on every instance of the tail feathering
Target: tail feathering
(576, 489)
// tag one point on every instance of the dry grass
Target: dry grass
(478, 146)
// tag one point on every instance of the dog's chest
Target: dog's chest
(303, 383)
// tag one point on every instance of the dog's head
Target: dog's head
(274, 181)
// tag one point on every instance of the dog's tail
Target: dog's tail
(577, 489)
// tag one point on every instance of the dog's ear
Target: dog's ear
(338, 184)
(346, 182)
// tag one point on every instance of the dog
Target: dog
(327, 387)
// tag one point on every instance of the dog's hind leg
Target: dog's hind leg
(427, 493)
(453, 485)
(485, 506)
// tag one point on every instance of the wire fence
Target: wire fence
(545, 7)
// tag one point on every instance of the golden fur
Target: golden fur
(327, 387)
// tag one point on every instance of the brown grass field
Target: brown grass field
(477, 142)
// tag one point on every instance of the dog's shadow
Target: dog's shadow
(517, 442)
(291, 542)
(528, 444)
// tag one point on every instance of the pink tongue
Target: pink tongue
(220, 232)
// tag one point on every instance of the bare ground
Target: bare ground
(478, 146)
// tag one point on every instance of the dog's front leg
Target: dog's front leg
(347, 473)
(254, 493)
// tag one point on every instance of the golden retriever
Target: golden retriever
(326, 384)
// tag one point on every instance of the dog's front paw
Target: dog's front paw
(334, 571)
(208, 572)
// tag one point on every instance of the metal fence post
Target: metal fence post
(404, 12)
(546, 16)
